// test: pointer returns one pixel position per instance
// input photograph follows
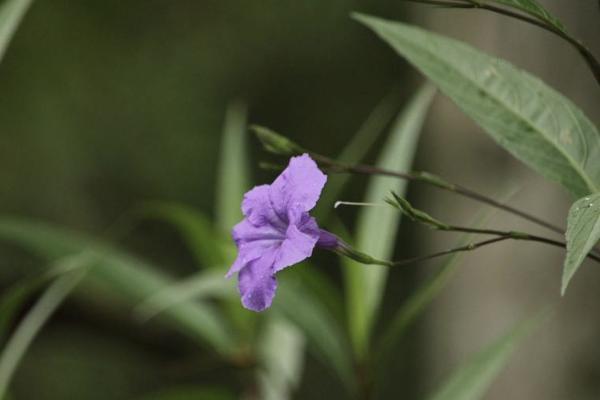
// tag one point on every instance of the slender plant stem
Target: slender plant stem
(467, 247)
(461, 190)
(587, 55)
(517, 236)
(476, 245)
(429, 179)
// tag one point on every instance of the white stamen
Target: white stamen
(355, 203)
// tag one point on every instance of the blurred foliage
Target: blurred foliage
(117, 120)
(106, 105)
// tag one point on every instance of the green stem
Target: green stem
(587, 55)
(467, 247)
(500, 236)
(433, 180)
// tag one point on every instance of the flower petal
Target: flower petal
(301, 238)
(299, 185)
(253, 242)
(245, 232)
(257, 283)
(257, 208)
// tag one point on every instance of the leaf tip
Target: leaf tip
(364, 19)
(565, 282)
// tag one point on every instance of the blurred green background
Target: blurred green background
(105, 105)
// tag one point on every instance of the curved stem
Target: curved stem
(476, 245)
(588, 56)
(429, 179)
(518, 236)
(467, 247)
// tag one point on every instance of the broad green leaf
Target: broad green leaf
(11, 14)
(583, 232)
(192, 393)
(325, 338)
(355, 150)
(32, 323)
(281, 359)
(472, 380)
(535, 123)
(208, 246)
(376, 226)
(122, 276)
(232, 181)
(532, 8)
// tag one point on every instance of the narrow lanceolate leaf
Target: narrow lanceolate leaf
(535, 123)
(325, 338)
(472, 381)
(208, 246)
(13, 298)
(11, 14)
(583, 232)
(32, 323)
(423, 296)
(191, 392)
(281, 359)
(122, 276)
(362, 141)
(532, 8)
(232, 180)
(376, 229)
(207, 284)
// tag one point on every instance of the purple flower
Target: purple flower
(277, 230)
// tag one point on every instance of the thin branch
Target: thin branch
(467, 247)
(502, 236)
(439, 183)
(587, 55)
(518, 236)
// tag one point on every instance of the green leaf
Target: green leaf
(355, 150)
(376, 226)
(424, 295)
(323, 289)
(535, 123)
(14, 298)
(191, 393)
(208, 246)
(200, 286)
(211, 250)
(472, 380)
(532, 8)
(11, 14)
(416, 304)
(281, 358)
(123, 276)
(583, 232)
(232, 181)
(32, 323)
(325, 338)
